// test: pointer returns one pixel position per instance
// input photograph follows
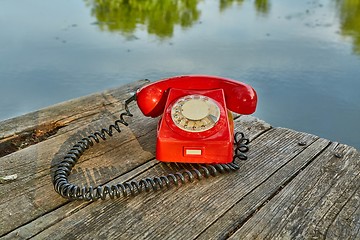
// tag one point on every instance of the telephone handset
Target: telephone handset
(196, 126)
(240, 97)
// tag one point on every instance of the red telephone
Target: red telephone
(196, 126)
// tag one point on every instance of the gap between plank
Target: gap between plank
(277, 191)
(255, 137)
(339, 211)
(85, 203)
(40, 133)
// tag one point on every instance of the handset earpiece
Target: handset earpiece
(151, 100)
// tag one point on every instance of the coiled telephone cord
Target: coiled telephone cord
(133, 187)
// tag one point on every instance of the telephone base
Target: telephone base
(190, 145)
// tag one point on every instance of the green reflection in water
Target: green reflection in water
(159, 17)
(262, 6)
(224, 4)
(349, 11)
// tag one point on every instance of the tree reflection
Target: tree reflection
(349, 11)
(159, 17)
(224, 4)
(262, 6)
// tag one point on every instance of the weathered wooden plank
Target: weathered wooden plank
(261, 195)
(321, 202)
(55, 117)
(287, 189)
(50, 218)
(253, 127)
(68, 136)
(32, 195)
(343, 218)
(38, 158)
(183, 212)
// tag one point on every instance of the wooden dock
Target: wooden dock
(293, 186)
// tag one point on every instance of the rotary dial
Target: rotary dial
(195, 113)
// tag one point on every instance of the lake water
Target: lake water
(302, 57)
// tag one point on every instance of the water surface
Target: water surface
(302, 57)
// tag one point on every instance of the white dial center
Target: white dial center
(195, 109)
(195, 113)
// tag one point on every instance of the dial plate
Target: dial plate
(195, 113)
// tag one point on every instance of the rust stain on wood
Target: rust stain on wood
(27, 138)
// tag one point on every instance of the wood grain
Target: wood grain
(193, 207)
(322, 196)
(251, 130)
(32, 194)
(293, 186)
(260, 196)
(63, 114)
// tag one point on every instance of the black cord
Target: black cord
(90, 193)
